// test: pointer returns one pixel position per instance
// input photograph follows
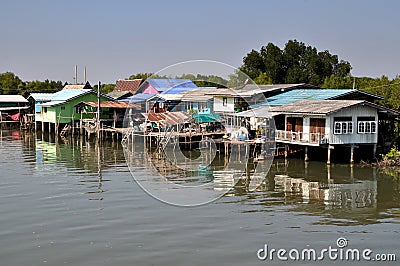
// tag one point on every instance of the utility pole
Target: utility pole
(76, 74)
(84, 75)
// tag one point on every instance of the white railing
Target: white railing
(301, 137)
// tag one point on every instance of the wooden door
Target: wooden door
(299, 124)
(317, 125)
(294, 124)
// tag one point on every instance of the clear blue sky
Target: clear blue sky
(44, 39)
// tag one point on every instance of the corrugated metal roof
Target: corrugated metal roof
(197, 95)
(260, 112)
(167, 118)
(13, 108)
(74, 87)
(272, 87)
(171, 86)
(316, 106)
(41, 96)
(305, 94)
(119, 94)
(128, 85)
(110, 104)
(51, 103)
(313, 94)
(65, 95)
(138, 98)
(167, 97)
(13, 99)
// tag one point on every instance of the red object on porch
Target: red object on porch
(15, 117)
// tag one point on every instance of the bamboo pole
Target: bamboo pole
(73, 124)
(81, 125)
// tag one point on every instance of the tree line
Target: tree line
(12, 84)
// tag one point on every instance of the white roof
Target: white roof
(12, 99)
(41, 96)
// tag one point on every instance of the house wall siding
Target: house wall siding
(219, 104)
(53, 112)
(354, 113)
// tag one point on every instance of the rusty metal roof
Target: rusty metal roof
(128, 85)
(168, 118)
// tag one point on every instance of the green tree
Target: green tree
(140, 76)
(253, 64)
(274, 62)
(10, 83)
(105, 88)
(263, 79)
(296, 63)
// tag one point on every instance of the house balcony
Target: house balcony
(301, 138)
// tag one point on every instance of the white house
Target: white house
(329, 123)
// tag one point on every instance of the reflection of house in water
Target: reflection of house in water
(354, 195)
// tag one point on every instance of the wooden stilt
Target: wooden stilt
(374, 150)
(352, 154)
(329, 155)
(328, 170)
(306, 153)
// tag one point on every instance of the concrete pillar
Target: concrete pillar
(329, 155)
(352, 154)
(306, 154)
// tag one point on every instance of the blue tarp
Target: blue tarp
(171, 86)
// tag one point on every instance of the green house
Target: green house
(61, 107)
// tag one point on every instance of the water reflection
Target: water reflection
(79, 158)
(337, 194)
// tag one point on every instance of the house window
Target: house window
(224, 101)
(62, 107)
(343, 127)
(366, 127)
(45, 109)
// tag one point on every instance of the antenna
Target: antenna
(76, 75)
(84, 75)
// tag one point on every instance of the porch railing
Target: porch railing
(301, 137)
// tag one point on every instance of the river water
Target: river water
(74, 202)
